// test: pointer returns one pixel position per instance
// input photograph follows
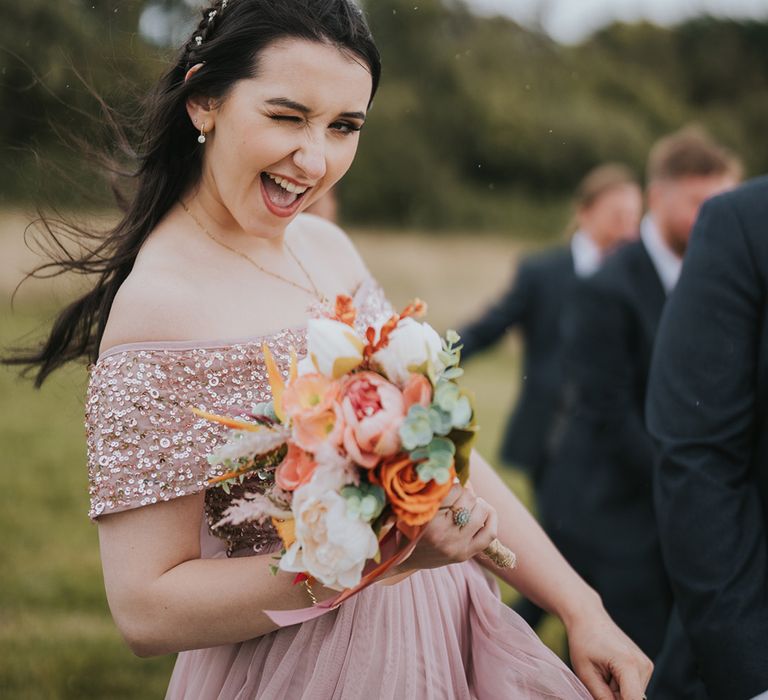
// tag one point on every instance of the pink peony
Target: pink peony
(417, 390)
(373, 411)
(296, 469)
(310, 402)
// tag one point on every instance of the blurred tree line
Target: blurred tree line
(479, 122)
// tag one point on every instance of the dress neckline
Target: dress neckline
(213, 343)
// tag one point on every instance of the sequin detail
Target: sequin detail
(146, 446)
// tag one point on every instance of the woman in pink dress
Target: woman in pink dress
(257, 118)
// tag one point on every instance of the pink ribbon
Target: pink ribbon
(392, 551)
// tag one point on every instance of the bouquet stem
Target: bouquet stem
(500, 555)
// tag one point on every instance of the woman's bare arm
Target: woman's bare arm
(542, 574)
(607, 661)
(164, 598)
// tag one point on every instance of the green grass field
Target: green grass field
(57, 639)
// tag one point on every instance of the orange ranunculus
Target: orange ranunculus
(413, 501)
(296, 469)
(310, 403)
(417, 390)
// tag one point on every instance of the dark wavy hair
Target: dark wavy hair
(168, 160)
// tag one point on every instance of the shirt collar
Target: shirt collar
(586, 255)
(667, 263)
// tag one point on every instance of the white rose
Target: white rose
(333, 348)
(411, 344)
(306, 366)
(330, 546)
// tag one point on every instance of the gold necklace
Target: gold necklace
(312, 292)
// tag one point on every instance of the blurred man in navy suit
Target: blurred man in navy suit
(608, 208)
(597, 500)
(708, 408)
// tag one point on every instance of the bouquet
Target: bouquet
(356, 450)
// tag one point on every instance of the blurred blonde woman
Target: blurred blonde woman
(607, 210)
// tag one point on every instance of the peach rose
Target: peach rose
(417, 390)
(310, 402)
(296, 468)
(413, 501)
(373, 411)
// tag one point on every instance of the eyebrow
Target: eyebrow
(292, 104)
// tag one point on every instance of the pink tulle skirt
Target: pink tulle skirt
(441, 634)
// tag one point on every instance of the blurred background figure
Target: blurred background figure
(608, 207)
(596, 494)
(327, 206)
(607, 211)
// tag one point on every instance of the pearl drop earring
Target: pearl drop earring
(201, 138)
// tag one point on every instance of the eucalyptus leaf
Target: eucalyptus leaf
(461, 413)
(416, 430)
(441, 460)
(442, 444)
(445, 357)
(442, 476)
(424, 471)
(446, 395)
(432, 470)
(413, 436)
(440, 421)
(365, 501)
(453, 373)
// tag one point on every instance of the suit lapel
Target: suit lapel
(651, 292)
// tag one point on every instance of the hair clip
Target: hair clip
(211, 15)
(224, 4)
(199, 40)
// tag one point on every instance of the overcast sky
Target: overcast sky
(568, 21)
(572, 20)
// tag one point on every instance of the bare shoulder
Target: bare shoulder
(154, 303)
(329, 243)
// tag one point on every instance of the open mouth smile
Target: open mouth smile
(281, 195)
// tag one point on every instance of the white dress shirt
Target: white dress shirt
(762, 696)
(586, 255)
(667, 263)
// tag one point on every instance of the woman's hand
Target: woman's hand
(608, 662)
(444, 542)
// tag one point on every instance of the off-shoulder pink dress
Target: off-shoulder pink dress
(440, 634)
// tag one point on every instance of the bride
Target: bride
(259, 115)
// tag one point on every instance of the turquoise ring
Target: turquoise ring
(461, 516)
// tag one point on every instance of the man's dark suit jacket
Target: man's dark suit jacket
(533, 303)
(708, 407)
(596, 496)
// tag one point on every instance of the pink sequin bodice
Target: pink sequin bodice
(146, 446)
